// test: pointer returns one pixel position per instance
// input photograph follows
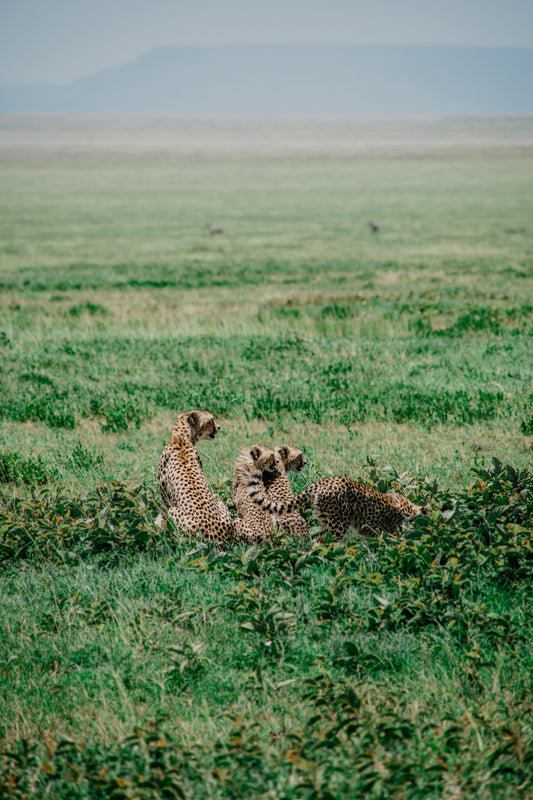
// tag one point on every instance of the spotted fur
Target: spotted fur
(183, 486)
(340, 504)
(264, 461)
(278, 488)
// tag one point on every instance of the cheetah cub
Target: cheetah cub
(262, 461)
(278, 488)
(182, 483)
(340, 504)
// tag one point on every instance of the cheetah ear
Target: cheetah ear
(193, 418)
(283, 451)
(255, 452)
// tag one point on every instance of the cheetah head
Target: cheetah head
(408, 508)
(291, 457)
(264, 458)
(202, 425)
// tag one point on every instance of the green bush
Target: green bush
(14, 468)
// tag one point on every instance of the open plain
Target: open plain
(137, 663)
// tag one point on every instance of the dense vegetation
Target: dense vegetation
(138, 663)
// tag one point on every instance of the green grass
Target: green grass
(134, 663)
(404, 652)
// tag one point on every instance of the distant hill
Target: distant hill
(298, 79)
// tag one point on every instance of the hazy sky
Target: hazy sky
(58, 41)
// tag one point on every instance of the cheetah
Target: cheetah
(182, 483)
(278, 488)
(262, 461)
(341, 503)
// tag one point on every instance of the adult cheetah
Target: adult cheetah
(182, 483)
(341, 503)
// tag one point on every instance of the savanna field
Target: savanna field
(139, 663)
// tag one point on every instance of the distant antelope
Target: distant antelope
(374, 227)
(213, 229)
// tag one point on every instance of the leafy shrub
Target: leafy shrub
(118, 412)
(526, 422)
(346, 748)
(350, 735)
(409, 403)
(84, 458)
(40, 405)
(476, 319)
(267, 620)
(145, 765)
(110, 519)
(486, 318)
(91, 308)
(14, 468)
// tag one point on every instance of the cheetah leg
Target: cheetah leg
(174, 514)
(337, 528)
(186, 523)
(293, 524)
(224, 512)
(244, 533)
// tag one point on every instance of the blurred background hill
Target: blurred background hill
(297, 79)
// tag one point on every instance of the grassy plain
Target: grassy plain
(137, 663)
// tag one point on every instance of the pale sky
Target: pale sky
(59, 41)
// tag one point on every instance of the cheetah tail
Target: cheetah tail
(268, 505)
